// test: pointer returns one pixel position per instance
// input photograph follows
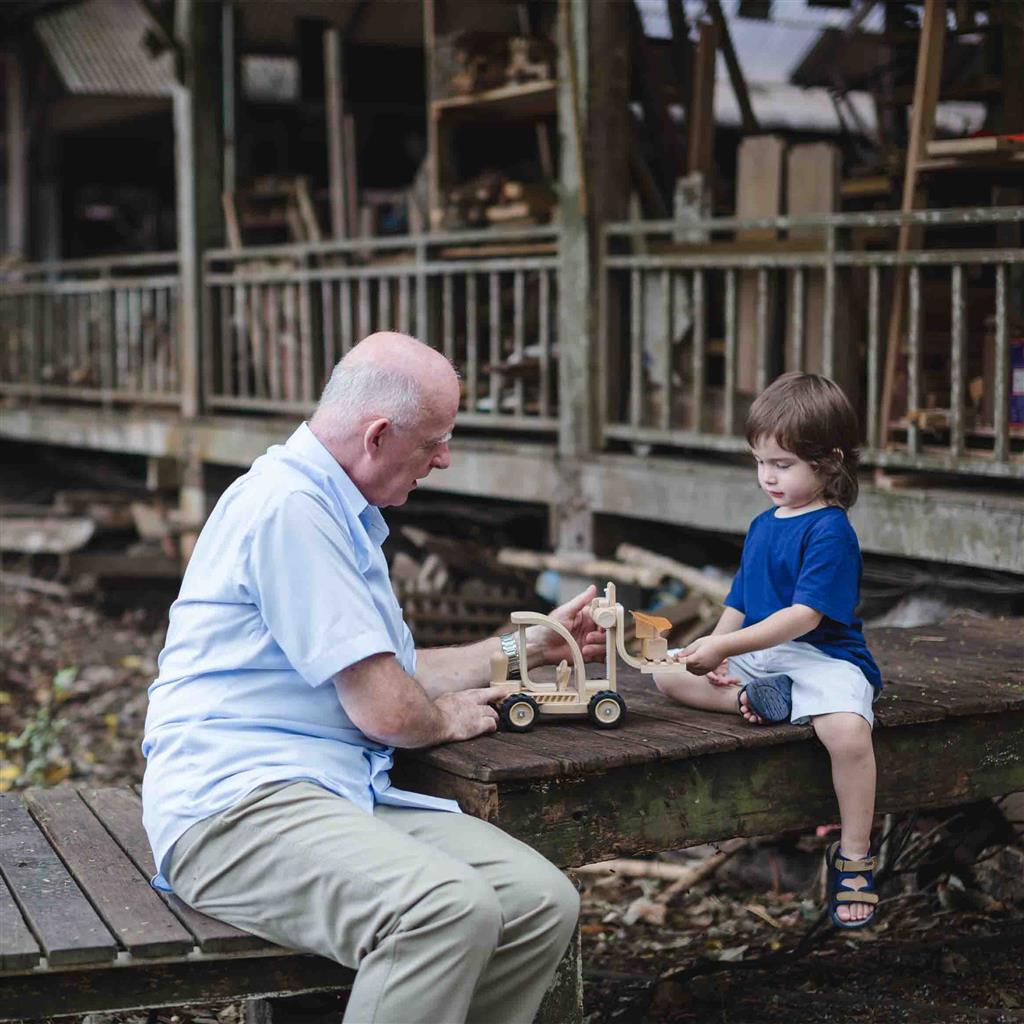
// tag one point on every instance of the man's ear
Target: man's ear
(373, 436)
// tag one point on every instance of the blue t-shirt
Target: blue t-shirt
(812, 559)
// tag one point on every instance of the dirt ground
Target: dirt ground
(948, 947)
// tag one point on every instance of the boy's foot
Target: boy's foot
(768, 699)
(851, 889)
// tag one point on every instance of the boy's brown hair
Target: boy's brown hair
(810, 416)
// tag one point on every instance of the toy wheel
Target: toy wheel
(606, 709)
(518, 713)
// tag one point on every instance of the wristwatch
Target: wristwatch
(510, 649)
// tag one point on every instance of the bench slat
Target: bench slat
(121, 894)
(18, 947)
(120, 811)
(68, 929)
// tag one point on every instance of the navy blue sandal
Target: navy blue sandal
(841, 874)
(769, 697)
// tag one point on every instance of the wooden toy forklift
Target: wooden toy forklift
(571, 692)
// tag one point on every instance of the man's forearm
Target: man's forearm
(787, 624)
(447, 669)
(388, 705)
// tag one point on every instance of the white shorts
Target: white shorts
(822, 684)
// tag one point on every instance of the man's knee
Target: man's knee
(466, 906)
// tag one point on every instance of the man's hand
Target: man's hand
(548, 648)
(469, 713)
(704, 655)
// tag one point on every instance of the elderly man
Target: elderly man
(288, 677)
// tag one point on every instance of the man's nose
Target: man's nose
(443, 459)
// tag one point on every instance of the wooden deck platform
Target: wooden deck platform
(82, 929)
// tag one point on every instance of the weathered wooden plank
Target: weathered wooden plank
(18, 947)
(667, 804)
(579, 746)
(120, 812)
(57, 993)
(118, 890)
(68, 929)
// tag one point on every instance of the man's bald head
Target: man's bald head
(387, 375)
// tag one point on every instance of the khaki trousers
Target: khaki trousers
(447, 918)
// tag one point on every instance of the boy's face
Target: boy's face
(790, 482)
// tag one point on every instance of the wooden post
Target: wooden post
(17, 156)
(760, 173)
(702, 104)
(334, 87)
(926, 96)
(198, 155)
(229, 80)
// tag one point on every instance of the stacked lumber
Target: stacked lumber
(491, 198)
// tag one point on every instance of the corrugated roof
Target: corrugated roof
(97, 50)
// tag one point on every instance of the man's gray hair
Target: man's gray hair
(359, 390)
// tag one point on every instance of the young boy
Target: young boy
(789, 636)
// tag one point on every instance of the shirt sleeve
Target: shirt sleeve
(829, 578)
(303, 576)
(734, 599)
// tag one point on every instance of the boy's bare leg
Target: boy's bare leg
(697, 691)
(847, 737)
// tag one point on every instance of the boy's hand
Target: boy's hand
(720, 676)
(704, 655)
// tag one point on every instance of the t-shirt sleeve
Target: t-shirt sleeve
(734, 599)
(829, 577)
(303, 576)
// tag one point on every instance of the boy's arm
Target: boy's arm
(730, 621)
(708, 652)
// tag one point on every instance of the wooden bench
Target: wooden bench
(83, 931)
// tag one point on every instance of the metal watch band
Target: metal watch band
(510, 649)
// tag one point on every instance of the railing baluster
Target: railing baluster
(347, 333)
(667, 392)
(873, 369)
(291, 336)
(518, 334)
(700, 346)
(636, 350)
(447, 317)
(761, 369)
(330, 323)
(242, 339)
(148, 342)
(274, 346)
(384, 321)
(729, 404)
(1001, 391)
(494, 312)
(472, 355)
(544, 340)
(259, 361)
(914, 360)
(798, 336)
(364, 327)
(161, 326)
(828, 313)
(403, 304)
(956, 364)
(306, 339)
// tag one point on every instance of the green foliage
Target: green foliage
(39, 740)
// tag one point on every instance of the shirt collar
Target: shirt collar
(308, 446)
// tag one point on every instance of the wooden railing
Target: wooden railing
(96, 330)
(278, 318)
(697, 318)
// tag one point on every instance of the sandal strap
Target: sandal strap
(852, 896)
(856, 867)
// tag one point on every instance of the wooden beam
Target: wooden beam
(198, 155)
(732, 63)
(334, 88)
(229, 97)
(702, 105)
(927, 80)
(16, 139)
